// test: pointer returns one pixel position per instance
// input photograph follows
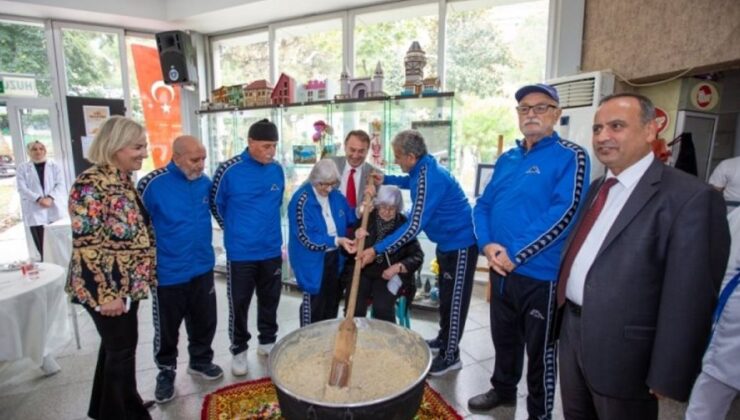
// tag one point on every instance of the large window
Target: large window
(240, 59)
(92, 63)
(492, 47)
(491, 51)
(385, 36)
(310, 51)
(24, 63)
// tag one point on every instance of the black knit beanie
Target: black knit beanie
(263, 130)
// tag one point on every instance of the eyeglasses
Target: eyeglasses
(330, 185)
(538, 109)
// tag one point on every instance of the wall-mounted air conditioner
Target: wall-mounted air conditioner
(579, 98)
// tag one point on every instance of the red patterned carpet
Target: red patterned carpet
(257, 400)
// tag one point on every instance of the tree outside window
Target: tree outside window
(23, 53)
(310, 51)
(240, 59)
(386, 36)
(491, 51)
(92, 62)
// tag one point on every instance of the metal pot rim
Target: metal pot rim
(281, 387)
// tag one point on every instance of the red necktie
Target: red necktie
(351, 189)
(583, 229)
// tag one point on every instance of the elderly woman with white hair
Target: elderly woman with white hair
(377, 279)
(319, 216)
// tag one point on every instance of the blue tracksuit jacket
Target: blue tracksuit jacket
(438, 206)
(245, 200)
(531, 202)
(180, 214)
(309, 240)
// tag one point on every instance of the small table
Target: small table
(58, 242)
(58, 250)
(33, 317)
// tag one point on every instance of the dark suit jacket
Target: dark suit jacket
(341, 162)
(649, 295)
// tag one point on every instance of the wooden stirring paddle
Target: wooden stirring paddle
(346, 338)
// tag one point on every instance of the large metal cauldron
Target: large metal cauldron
(402, 405)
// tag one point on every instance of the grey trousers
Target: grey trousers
(710, 399)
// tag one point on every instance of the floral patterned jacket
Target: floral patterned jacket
(113, 248)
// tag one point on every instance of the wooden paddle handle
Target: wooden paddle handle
(366, 201)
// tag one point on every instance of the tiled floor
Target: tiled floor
(65, 395)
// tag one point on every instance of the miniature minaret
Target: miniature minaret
(415, 61)
(344, 84)
(377, 81)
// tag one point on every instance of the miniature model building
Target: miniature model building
(219, 96)
(414, 62)
(284, 92)
(362, 87)
(317, 90)
(257, 93)
(430, 85)
(235, 95)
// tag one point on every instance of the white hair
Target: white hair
(324, 171)
(389, 195)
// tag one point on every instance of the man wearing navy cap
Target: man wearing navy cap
(521, 222)
(245, 200)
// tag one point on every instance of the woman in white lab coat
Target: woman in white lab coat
(43, 194)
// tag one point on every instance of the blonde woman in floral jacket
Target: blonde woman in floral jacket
(113, 263)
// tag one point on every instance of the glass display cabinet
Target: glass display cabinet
(303, 141)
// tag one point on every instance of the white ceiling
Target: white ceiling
(211, 16)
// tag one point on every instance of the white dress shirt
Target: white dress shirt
(331, 228)
(618, 195)
(345, 180)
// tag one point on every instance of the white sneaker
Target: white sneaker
(265, 349)
(239, 364)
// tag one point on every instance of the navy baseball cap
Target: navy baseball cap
(539, 87)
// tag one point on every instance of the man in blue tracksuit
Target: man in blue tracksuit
(521, 222)
(245, 200)
(176, 200)
(441, 209)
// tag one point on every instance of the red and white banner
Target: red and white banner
(160, 102)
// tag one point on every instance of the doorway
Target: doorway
(23, 121)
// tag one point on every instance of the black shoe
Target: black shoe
(210, 372)
(490, 400)
(434, 345)
(165, 390)
(440, 365)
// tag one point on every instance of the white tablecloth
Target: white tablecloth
(58, 242)
(33, 315)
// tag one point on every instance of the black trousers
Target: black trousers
(244, 278)
(456, 271)
(521, 313)
(375, 288)
(320, 306)
(114, 394)
(37, 233)
(195, 302)
(580, 401)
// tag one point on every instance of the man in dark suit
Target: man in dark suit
(353, 168)
(639, 276)
(355, 172)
